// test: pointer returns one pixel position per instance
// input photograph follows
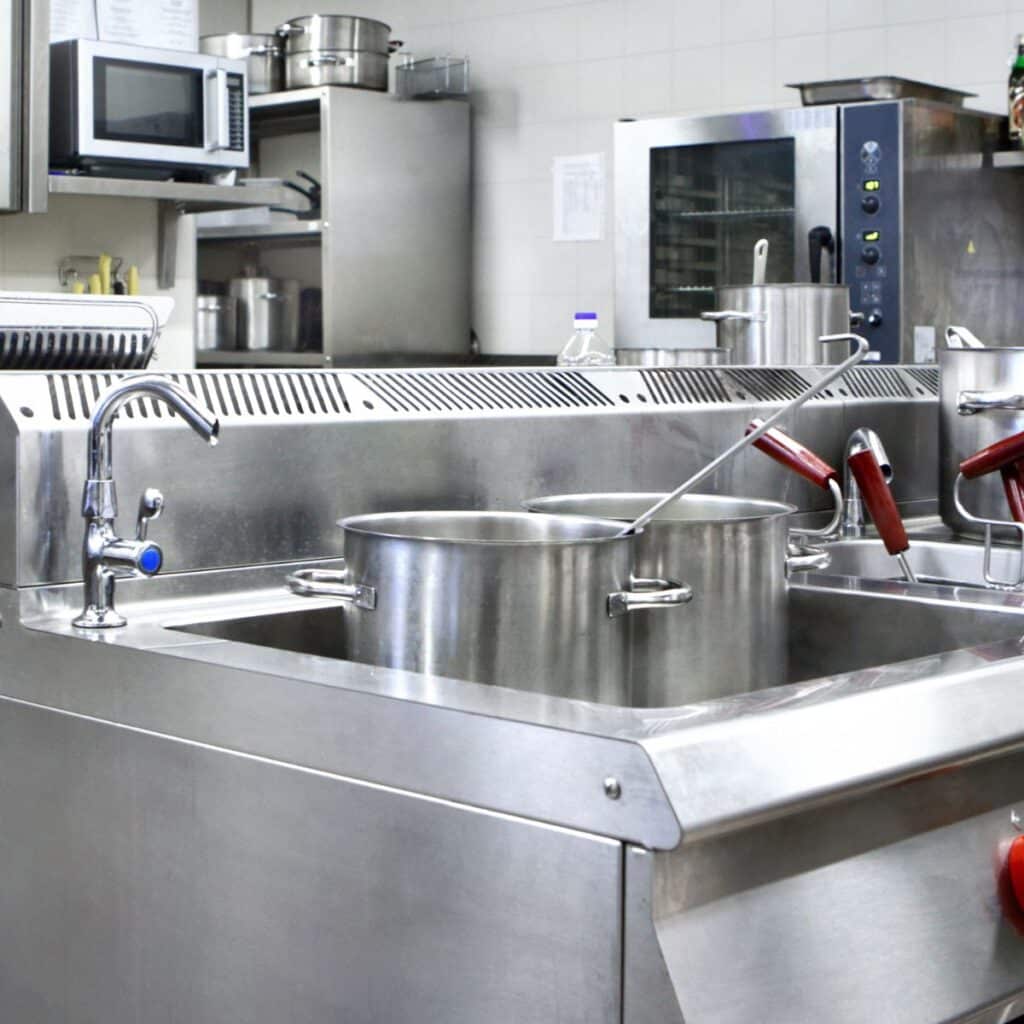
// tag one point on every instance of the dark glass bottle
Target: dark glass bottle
(1016, 95)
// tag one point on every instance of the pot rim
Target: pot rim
(771, 509)
(786, 284)
(307, 19)
(356, 524)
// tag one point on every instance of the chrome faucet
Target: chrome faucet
(862, 439)
(105, 556)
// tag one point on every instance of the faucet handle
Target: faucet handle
(151, 504)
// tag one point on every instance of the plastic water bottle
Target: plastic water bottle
(586, 347)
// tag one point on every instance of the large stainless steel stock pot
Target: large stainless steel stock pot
(981, 402)
(733, 552)
(538, 602)
(336, 49)
(780, 324)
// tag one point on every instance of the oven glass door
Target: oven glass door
(709, 205)
(142, 102)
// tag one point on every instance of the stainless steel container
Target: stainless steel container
(980, 402)
(780, 324)
(268, 313)
(334, 49)
(732, 552)
(668, 357)
(532, 601)
(362, 70)
(334, 32)
(262, 53)
(216, 323)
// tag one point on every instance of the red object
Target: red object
(1013, 487)
(1015, 869)
(793, 455)
(994, 457)
(879, 501)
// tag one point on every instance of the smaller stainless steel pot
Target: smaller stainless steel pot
(335, 32)
(268, 313)
(262, 53)
(734, 553)
(360, 69)
(667, 357)
(538, 602)
(780, 324)
(216, 323)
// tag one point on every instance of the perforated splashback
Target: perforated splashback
(229, 395)
(283, 395)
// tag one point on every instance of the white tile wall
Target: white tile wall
(551, 76)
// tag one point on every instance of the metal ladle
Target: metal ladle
(749, 439)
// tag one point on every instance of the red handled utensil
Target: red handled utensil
(1013, 488)
(881, 507)
(778, 445)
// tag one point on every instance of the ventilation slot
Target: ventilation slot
(766, 384)
(231, 396)
(925, 376)
(687, 386)
(871, 382)
(468, 391)
(73, 350)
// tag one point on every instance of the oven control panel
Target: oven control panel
(870, 218)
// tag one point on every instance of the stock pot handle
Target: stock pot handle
(970, 402)
(733, 314)
(648, 593)
(331, 583)
(808, 560)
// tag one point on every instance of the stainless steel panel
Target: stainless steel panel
(153, 879)
(890, 907)
(10, 104)
(963, 236)
(376, 307)
(36, 106)
(302, 449)
(815, 134)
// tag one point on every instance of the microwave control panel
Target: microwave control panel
(871, 244)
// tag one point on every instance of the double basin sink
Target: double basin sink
(857, 614)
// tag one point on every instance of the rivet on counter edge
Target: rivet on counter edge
(612, 788)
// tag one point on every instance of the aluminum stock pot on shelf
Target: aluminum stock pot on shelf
(539, 602)
(260, 51)
(334, 49)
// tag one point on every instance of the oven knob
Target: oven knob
(874, 319)
(870, 204)
(1015, 869)
(870, 254)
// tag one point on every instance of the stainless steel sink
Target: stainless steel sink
(836, 626)
(956, 563)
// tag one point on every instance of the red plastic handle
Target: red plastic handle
(1013, 487)
(879, 501)
(994, 457)
(793, 455)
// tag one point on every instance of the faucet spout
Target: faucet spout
(862, 439)
(105, 556)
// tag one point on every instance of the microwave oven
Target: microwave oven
(928, 228)
(139, 111)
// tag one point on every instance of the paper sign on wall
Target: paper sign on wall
(579, 190)
(167, 24)
(72, 19)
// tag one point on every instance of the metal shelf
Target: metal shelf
(281, 360)
(188, 197)
(300, 229)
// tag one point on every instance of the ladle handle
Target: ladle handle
(995, 456)
(879, 501)
(793, 455)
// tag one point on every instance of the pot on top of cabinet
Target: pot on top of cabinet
(336, 49)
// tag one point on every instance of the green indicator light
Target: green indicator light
(872, 185)
(871, 236)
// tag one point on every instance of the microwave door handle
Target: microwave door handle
(221, 111)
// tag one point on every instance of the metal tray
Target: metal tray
(883, 87)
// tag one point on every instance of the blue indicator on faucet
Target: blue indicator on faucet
(151, 559)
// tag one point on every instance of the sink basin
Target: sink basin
(836, 626)
(952, 562)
